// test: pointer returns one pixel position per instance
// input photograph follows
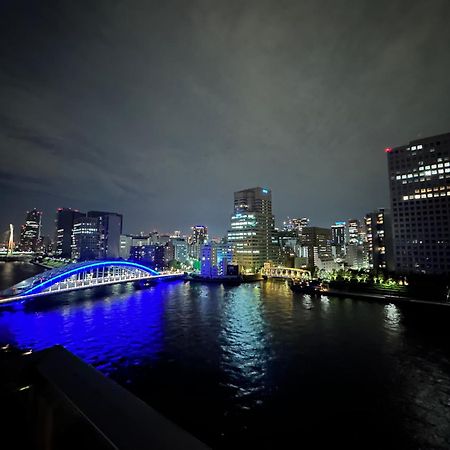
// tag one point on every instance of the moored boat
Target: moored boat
(310, 287)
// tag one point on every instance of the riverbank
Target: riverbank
(49, 263)
(387, 298)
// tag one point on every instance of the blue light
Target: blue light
(54, 279)
(265, 191)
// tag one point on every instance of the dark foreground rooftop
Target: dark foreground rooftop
(51, 399)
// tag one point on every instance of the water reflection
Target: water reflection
(123, 328)
(393, 317)
(251, 364)
(245, 346)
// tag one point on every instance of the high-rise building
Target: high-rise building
(252, 228)
(419, 179)
(85, 238)
(286, 242)
(110, 229)
(64, 221)
(354, 228)
(379, 239)
(30, 232)
(355, 251)
(316, 243)
(198, 237)
(338, 238)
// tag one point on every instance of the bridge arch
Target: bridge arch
(46, 280)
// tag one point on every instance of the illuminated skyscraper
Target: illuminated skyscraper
(110, 229)
(198, 237)
(354, 232)
(30, 232)
(65, 218)
(252, 228)
(317, 242)
(338, 238)
(419, 178)
(85, 238)
(379, 239)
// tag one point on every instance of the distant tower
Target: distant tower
(11, 239)
(31, 231)
(196, 240)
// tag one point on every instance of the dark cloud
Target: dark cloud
(160, 110)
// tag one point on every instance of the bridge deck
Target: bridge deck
(83, 284)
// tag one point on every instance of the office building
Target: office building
(30, 232)
(215, 259)
(65, 218)
(85, 239)
(356, 255)
(180, 248)
(419, 180)
(316, 243)
(125, 246)
(252, 229)
(198, 237)
(338, 239)
(379, 240)
(110, 229)
(151, 255)
(169, 253)
(353, 232)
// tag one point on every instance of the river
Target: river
(256, 365)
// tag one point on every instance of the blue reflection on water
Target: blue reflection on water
(231, 364)
(103, 332)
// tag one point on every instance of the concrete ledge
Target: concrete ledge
(123, 420)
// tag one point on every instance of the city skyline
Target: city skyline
(50, 219)
(164, 115)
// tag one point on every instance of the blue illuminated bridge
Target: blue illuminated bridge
(82, 275)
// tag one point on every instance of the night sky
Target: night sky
(160, 110)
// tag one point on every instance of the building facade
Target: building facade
(180, 248)
(85, 239)
(419, 181)
(198, 237)
(252, 230)
(30, 232)
(339, 239)
(316, 244)
(151, 255)
(215, 259)
(110, 229)
(65, 218)
(379, 240)
(125, 246)
(356, 253)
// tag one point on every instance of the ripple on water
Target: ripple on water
(231, 364)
